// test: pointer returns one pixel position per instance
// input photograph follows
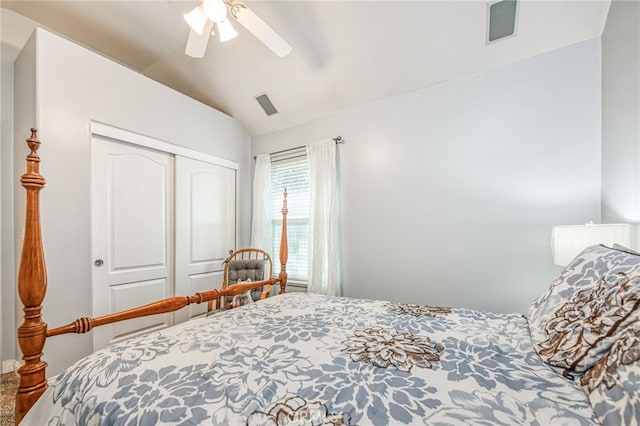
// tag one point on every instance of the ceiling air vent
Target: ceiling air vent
(501, 20)
(266, 104)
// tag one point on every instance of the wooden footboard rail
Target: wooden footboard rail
(32, 286)
(170, 304)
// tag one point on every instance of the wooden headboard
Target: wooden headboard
(32, 286)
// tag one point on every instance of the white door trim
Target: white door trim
(116, 133)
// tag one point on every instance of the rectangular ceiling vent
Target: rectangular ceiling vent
(266, 104)
(501, 20)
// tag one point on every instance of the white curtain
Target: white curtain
(261, 219)
(325, 265)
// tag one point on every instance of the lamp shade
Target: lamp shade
(568, 241)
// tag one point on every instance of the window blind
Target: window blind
(291, 172)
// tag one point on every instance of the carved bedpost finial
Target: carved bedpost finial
(34, 142)
(284, 248)
(285, 210)
(32, 178)
(32, 286)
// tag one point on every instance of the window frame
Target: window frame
(298, 206)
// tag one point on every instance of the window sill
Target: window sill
(296, 287)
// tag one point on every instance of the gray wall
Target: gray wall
(7, 302)
(621, 113)
(14, 31)
(72, 87)
(450, 192)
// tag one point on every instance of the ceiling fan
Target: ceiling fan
(202, 19)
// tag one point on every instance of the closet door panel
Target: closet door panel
(127, 296)
(205, 225)
(135, 182)
(199, 283)
(208, 227)
(132, 227)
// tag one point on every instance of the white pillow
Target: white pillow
(242, 298)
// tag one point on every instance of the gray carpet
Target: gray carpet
(8, 387)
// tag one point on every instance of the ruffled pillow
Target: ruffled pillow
(574, 323)
(613, 383)
(242, 298)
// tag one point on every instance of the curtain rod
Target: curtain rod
(338, 140)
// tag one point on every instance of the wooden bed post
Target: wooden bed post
(32, 286)
(284, 247)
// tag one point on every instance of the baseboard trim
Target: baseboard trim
(10, 365)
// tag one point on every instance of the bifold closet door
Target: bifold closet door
(132, 227)
(205, 227)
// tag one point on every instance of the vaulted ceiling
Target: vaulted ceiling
(345, 53)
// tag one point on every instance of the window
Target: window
(291, 172)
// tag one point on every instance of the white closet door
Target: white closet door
(205, 227)
(131, 211)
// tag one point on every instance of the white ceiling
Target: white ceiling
(345, 53)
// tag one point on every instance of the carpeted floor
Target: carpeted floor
(8, 386)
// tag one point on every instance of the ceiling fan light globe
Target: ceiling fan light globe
(226, 30)
(196, 19)
(215, 10)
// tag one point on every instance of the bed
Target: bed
(311, 359)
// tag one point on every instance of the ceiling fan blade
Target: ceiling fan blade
(196, 43)
(262, 31)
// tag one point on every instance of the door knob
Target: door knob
(98, 262)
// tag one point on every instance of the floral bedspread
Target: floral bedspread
(310, 359)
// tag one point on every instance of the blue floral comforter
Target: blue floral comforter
(310, 359)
